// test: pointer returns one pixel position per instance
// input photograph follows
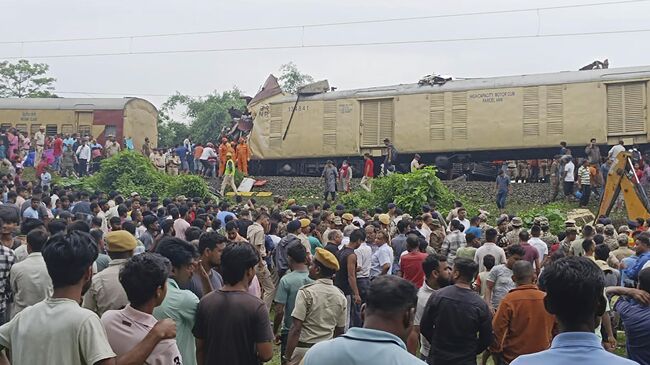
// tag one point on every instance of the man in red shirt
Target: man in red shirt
(57, 146)
(368, 172)
(411, 261)
(532, 255)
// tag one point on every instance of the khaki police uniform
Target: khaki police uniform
(321, 307)
(513, 236)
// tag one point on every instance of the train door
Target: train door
(84, 122)
(377, 122)
(627, 112)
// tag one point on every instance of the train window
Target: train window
(84, 130)
(22, 128)
(51, 129)
(34, 128)
(67, 129)
(110, 130)
(5, 126)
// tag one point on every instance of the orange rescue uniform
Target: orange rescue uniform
(243, 155)
(223, 149)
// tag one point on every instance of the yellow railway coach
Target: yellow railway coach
(97, 117)
(513, 117)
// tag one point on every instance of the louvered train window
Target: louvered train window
(531, 111)
(626, 109)
(377, 118)
(555, 110)
(437, 117)
(459, 115)
(329, 124)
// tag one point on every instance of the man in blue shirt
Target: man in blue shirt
(635, 314)
(574, 294)
(223, 213)
(388, 320)
(643, 252)
(502, 187)
(181, 152)
(285, 296)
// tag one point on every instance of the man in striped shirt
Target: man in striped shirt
(584, 183)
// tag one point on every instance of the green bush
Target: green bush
(129, 172)
(409, 191)
(554, 212)
(188, 185)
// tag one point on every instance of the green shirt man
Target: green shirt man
(180, 305)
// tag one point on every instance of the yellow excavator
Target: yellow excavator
(622, 179)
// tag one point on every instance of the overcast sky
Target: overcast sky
(345, 67)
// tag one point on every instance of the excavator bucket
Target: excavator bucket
(622, 179)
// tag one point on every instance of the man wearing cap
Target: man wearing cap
(319, 312)
(336, 223)
(513, 236)
(588, 233)
(571, 233)
(304, 231)
(347, 219)
(39, 139)
(622, 251)
(158, 160)
(112, 147)
(228, 175)
(105, 291)
(610, 237)
(437, 234)
(384, 220)
(549, 238)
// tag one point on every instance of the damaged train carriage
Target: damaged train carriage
(522, 117)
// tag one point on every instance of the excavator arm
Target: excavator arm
(622, 179)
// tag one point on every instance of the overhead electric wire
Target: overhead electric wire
(334, 45)
(100, 93)
(329, 24)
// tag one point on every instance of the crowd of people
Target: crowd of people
(202, 159)
(65, 154)
(577, 177)
(96, 278)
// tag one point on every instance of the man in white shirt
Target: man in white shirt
(490, 248)
(57, 330)
(569, 176)
(364, 257)
(415, 163)
(111, 147)
(535, 241)
(615, 150)
(208, 152)
(39, 138)
(462, 218)
(437, 275)
(83, 156)
(29, 279)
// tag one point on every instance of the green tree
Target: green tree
(25, 80)
(208, 115)
(291, 79)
